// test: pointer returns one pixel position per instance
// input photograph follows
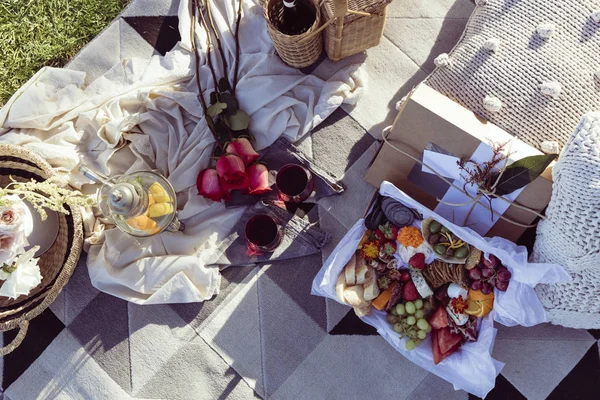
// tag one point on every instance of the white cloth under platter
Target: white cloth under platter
(144, 114)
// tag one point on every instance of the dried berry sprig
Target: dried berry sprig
(48, 194)
(482, 174)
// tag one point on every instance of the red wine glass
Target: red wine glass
(263, 234)
(294, 183)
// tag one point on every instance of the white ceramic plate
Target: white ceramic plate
(44, 233)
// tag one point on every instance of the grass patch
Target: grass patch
(37, 33)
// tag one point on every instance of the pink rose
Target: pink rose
(258, 176)
(8, 217)
(242, 148)
(232, 171)
(209, 186)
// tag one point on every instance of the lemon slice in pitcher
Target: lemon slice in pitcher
(159, 194)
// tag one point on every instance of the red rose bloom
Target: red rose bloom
(232, 171)
(242, 148)
(258, 178)
(209, 186)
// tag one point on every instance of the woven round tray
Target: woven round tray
(56, 264)
(297, 51)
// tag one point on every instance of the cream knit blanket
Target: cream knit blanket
(570, 235)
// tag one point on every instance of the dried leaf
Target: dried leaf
(522, 172)
(213, 98)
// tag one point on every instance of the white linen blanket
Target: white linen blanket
(145, 114)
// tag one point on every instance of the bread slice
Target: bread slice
(361, 270)
(340, 286)
(350, 271)
(355, 296)
(361, 312)
(371, 289)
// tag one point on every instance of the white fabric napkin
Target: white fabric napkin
(144, 114)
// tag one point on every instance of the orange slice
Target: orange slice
(479, 308)
(474, 308)
(142, 223)
(478, 295)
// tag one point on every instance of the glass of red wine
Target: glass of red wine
(294, 183)
(263, 234)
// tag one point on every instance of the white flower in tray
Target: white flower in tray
(14, 215)
(22, 276)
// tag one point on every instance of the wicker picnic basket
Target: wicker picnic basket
(297, 51)
(352, 26)
(56, 264)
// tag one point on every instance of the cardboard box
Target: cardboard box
(430, 124)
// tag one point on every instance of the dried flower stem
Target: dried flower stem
(197, 59)
(237, 47)
(217, 38)
(47, 194)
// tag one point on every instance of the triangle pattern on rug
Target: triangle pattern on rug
(502, 391)
(352, 325)
(42, 331)
(162, 32)
(577, 384)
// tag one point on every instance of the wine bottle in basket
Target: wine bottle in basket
(297, 16)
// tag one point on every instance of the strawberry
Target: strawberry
(417, 261)
(389, 248)
(410, 292)
(378, 234)
(404, 276)
(388, 231)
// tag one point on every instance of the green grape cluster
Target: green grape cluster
(408, 319)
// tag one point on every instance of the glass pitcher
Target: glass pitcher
(140, 204)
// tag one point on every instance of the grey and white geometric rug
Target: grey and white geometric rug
(264, 335)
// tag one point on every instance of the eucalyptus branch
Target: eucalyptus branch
(217, 38)
(237, 47)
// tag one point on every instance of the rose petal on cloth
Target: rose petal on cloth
(242, 148)
(209, 185)
(258, 176)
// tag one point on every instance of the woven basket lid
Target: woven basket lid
(369, 6)
(59, 261)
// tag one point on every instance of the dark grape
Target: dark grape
(502, 285)
(487, 273)
(504, 275)
(476, 285)
(475, 274)
(449, 252)
(486, 288)
(492, 281)
(491, 262)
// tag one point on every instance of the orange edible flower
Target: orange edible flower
(370, 250)
(410, 236)
(459, 305)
